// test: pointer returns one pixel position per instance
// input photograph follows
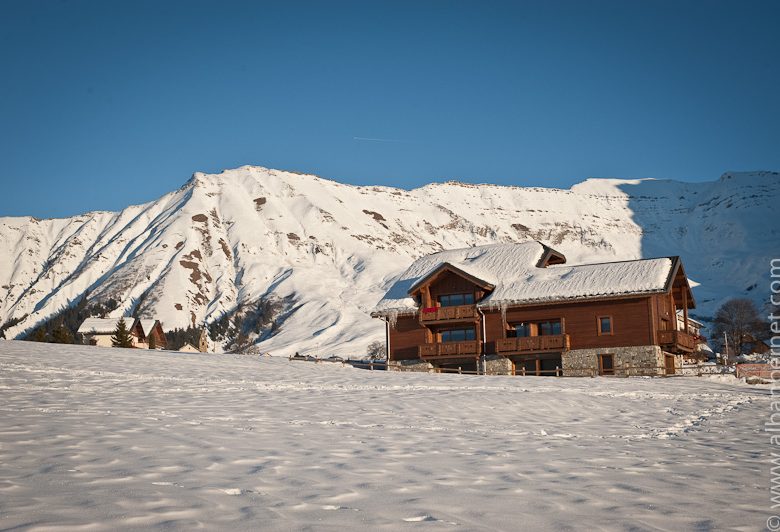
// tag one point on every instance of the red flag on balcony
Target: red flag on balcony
(428, 310)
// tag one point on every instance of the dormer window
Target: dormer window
(454, 300)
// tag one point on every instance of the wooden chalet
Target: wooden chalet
(520, 309)
(151, 328)
(98, 331)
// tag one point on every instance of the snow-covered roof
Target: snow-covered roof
(104, 325)
(514, 271)
(147, 325)
(189, 348)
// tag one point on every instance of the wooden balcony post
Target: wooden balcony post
(426, 297)
(685, 309)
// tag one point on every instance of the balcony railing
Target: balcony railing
(677, 340)
(448, 313)
(533, 344)
(449, 349)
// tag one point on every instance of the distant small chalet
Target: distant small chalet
(520, 309)
(98, 331)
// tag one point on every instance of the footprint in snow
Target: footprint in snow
(234, 491)
(420, 519)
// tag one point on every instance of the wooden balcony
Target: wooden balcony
(677, 341)
(533, 344)
(449, 349)
(461, 312)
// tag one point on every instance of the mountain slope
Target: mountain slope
(328, 251)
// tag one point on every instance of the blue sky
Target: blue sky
(104, 104)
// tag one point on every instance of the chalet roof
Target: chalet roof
(514, 270)
(104, 325)
(189, 348)
(147, 325)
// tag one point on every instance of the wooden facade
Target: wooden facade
(442, 332)
(155, 331)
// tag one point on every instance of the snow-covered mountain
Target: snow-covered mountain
(328, 251)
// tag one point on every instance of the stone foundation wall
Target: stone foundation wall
(497, 365)
(645, 360)
(419, 366)
(628, 361)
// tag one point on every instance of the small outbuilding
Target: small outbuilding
(188, 348)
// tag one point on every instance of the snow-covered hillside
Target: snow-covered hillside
(329, 251)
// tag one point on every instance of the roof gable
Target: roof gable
(551, 257)
(447, 267)
(147, 325)
(678, 279)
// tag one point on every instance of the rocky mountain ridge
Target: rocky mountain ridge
(324, 252)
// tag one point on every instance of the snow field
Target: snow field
(101, 439)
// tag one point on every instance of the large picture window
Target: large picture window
(454, 300)
(550, 328)
(539, 328)
(522, 329)
(458, 335)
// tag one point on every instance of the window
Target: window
(453, 300)
(549, 328)
(522, 329)
(605, 325)
(606, 365)
(541, 328)
(458, 335)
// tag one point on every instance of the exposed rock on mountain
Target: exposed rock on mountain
(328, 251)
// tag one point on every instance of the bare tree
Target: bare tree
(741, 322)
(376, 351)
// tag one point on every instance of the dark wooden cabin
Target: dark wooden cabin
(519, 309)
(152, 328)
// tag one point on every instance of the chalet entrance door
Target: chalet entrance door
(669, 359)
